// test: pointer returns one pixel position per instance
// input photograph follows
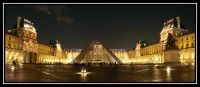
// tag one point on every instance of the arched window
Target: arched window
(182, 46)
(9, 45)
(187, 46)
(193, 45)
(9, 38)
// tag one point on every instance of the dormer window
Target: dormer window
(26, 26)
(9, 38)
(145, 44)
(171, 25)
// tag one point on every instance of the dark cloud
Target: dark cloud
(43, 8)
(65, 19)
(57, 11)
(60, 12)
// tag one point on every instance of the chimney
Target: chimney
(18, 21)
(178, 22)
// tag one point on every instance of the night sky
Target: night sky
(118, 26)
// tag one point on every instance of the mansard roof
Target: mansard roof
(24, 23)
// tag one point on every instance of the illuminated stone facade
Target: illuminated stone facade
(13, 48)
(176, 45)
(173, 27)
(72, 54)
(122, 54)
(186, 45)
(22, 46)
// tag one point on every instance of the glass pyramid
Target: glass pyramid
(96, 52)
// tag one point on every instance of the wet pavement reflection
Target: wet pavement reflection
(105, 73)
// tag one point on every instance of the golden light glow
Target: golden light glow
(12, 68)
(83, 70)
(83, 73)
(168, 69)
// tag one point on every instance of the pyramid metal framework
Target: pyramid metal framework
(96, 52)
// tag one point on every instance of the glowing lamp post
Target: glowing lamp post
(12, 68)
(83, 73)
(83, 70)
(168, 73)
(168, 69)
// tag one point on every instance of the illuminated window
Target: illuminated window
(182, 46)
(144, 44)
(9, 45)
(193, 45)
(97, 46)
(9, 38)
(186, 46)
(14, 46)
(172, 25)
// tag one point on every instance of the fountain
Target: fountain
(83, 72)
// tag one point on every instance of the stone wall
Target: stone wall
(171, 56)
(187, 56)
(152, 58)
(13, 54)
(49, 59)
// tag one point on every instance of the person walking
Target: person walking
(14, 63)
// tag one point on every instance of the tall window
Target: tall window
(182, 46)
(14, 45)
(193, 45)
(186, 46)
(9, 45)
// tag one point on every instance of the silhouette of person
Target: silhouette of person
(14, 63)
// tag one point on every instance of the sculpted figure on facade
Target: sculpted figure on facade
(170, 42)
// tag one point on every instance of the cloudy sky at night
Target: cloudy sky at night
(118, 26)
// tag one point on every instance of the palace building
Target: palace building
(176, 45)
(22, 46)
